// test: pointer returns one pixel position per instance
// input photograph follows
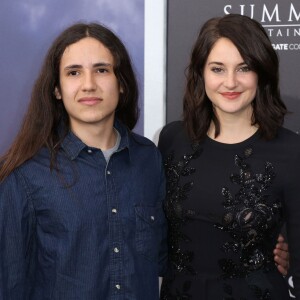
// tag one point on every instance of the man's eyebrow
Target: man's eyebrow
(100, 64)
(72, 67)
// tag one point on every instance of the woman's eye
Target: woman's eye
(217, 70)
(244, 69)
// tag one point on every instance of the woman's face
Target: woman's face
(229, 83)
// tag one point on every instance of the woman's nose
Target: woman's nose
(230, 80)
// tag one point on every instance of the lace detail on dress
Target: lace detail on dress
(179, 260)
(249, 218)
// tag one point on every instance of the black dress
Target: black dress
(226, 204)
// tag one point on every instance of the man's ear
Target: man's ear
(57, 94)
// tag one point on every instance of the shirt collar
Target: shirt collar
(72, 145)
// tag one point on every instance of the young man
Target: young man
(81, 195)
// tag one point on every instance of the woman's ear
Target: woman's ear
(57, 94)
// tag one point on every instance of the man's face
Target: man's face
(88, 88)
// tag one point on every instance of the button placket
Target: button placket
(115, 232)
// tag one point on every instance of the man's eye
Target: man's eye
(102, 70)
(73, 73)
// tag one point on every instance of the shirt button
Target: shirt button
(118, 286)
(152, 218)
(116, 250)
(108, 172)
(89, 151)
(114, 210)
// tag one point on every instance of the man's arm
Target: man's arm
(14, 237)
(281, 255)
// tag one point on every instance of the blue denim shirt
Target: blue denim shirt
(89, 231)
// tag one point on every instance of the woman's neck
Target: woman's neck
(232, 133)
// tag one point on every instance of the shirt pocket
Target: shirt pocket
(148, 230)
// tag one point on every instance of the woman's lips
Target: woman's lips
(231, 95)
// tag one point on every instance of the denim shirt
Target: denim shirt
(90, 230)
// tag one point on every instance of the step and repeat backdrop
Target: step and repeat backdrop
(281, 20)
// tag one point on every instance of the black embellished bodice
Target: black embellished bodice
(226, 204)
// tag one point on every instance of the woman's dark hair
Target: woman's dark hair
(255, 47)
(45, 113)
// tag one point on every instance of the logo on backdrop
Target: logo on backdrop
(281, 21)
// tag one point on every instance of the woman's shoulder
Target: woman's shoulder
(173, 136)
(289, 139)
(285, 145)
(171, 129)
(288, 134)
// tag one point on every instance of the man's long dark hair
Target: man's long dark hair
(45, 114)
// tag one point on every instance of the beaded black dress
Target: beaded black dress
(226, 204)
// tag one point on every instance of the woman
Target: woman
(232, 171)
